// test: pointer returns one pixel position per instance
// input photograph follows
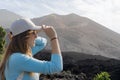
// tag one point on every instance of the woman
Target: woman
(18, 63)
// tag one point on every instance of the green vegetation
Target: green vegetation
(102, 76)
(2, 41)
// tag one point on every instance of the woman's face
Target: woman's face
(31, 40)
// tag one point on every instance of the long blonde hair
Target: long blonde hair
(18, 43)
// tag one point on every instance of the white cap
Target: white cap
(22, 25)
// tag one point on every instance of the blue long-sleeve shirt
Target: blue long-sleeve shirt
(18, 63)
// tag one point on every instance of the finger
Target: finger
(43, 27)
(48, 26)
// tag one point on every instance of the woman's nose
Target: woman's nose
(36, 35)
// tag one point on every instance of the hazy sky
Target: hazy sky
(105, 12)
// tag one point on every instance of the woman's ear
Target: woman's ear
(10, 35)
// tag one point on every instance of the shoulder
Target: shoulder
(18, 58)
(18, 55)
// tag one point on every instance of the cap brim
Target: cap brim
(37, 28)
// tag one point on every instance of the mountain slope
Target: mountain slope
(76, 33)
(81, 34)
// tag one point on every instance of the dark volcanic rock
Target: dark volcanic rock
(79, 66)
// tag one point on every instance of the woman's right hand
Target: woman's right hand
(50, 31)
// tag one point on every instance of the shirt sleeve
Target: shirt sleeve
(30, 64)
(40, 44)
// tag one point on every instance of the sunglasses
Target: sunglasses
(34, 32)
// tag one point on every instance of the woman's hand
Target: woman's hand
(50, 31)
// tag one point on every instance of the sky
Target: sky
(105, 12)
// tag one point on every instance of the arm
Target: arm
(34, 65)
(40, 44)
(51, 33)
